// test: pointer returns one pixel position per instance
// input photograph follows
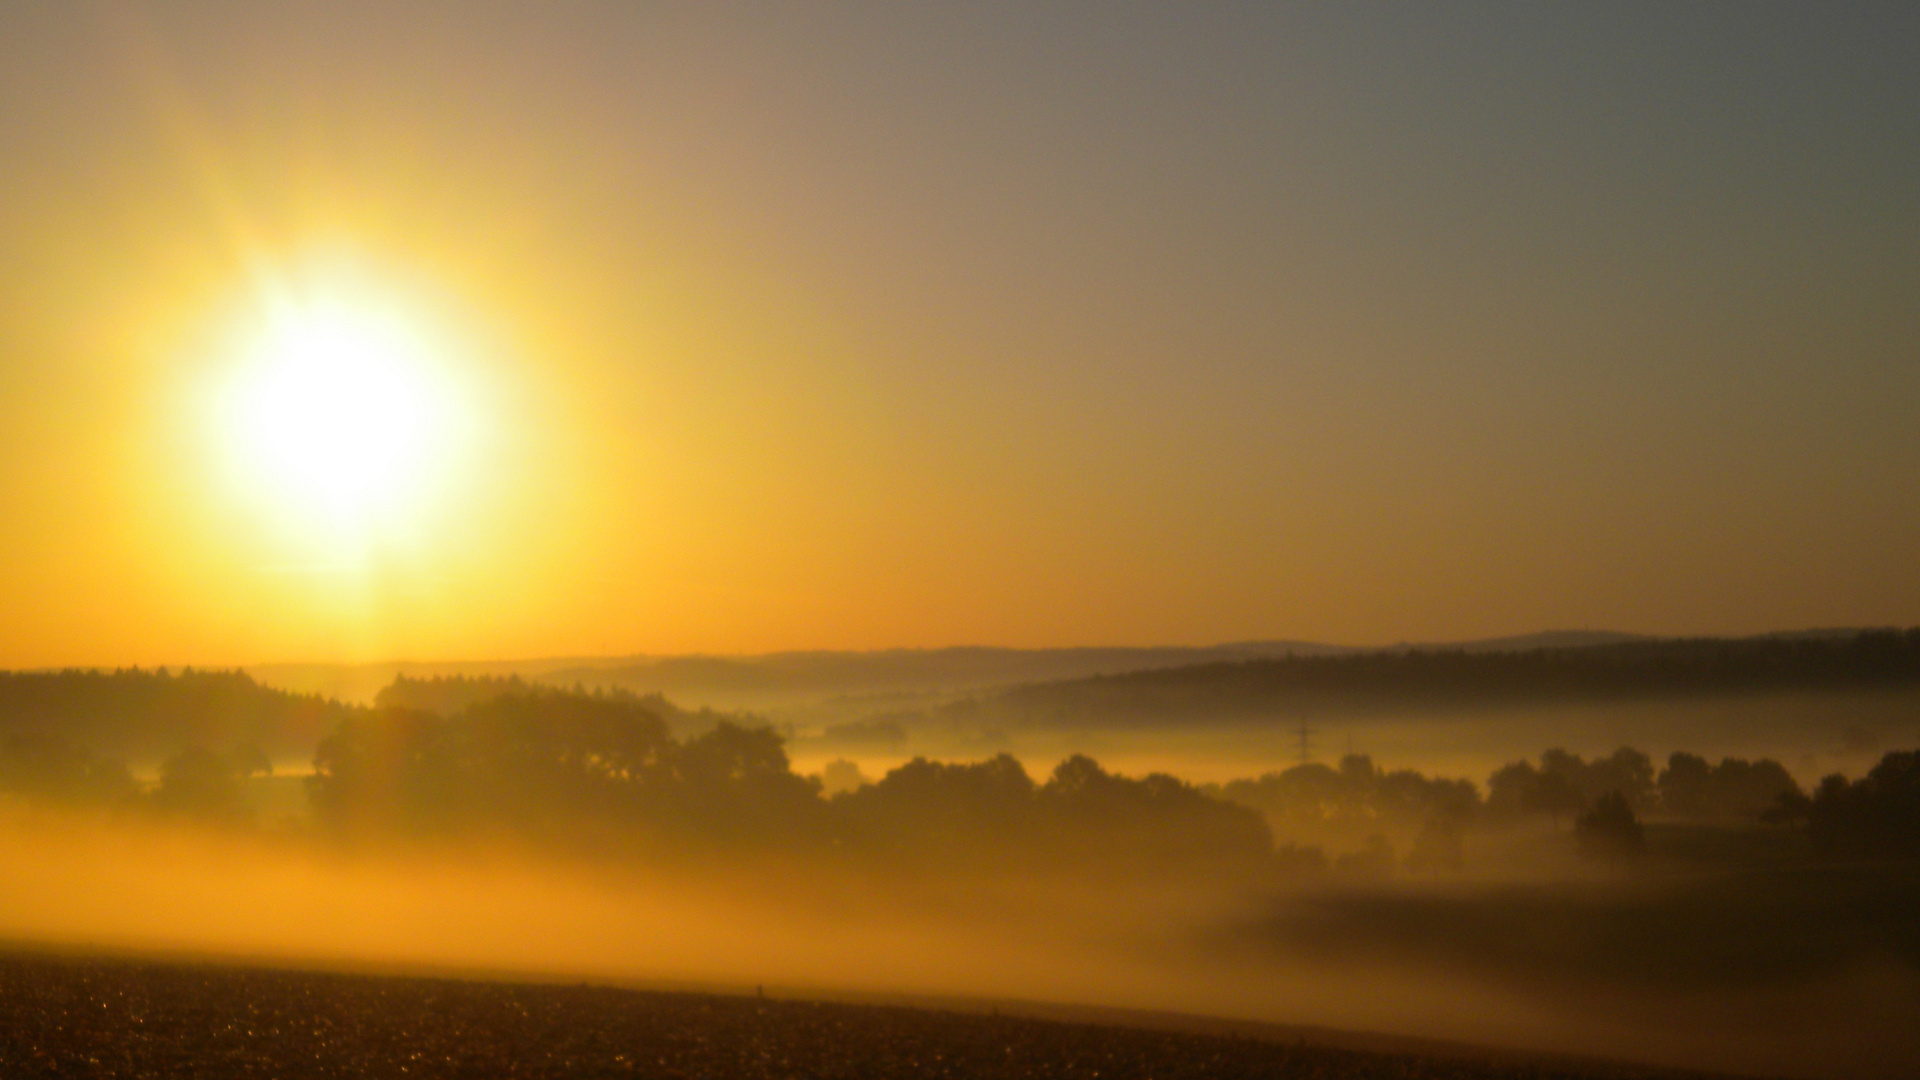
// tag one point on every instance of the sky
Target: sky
(798, 326)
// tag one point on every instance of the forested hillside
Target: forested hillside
(146, 715)
(1434, 680)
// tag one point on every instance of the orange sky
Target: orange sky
(866, 327)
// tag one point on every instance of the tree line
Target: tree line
(1359, 807)
(451, 694)
(145, 714)
(195, 783)
(606, 773)
(603, 772)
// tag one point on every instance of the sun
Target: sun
(342, 410)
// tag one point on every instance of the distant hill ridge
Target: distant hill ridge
(1428, 678)
(147, 714)
(797, 676)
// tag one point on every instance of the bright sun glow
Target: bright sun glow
(341, 410)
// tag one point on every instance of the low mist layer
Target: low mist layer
(1544, 967)
(1695, 911)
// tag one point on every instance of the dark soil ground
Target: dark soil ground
(86, 1016)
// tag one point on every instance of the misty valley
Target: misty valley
(1691, 909)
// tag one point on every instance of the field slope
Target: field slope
(89, 1016)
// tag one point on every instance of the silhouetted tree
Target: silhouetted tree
(1877, 815)
(48, 767)
(203, 785)
(1791, 807)
(1345, 807)
(1735, 789)
(1563, 783)
(737, 781)
(382, 772)
(1157, 821)
(1626, 772)
(1744, 790)
(1557, 792)
(946, 810)
(1509, 789)
(1609, 830)
(1685, 786)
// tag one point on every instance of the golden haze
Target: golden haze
(1051, 369)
